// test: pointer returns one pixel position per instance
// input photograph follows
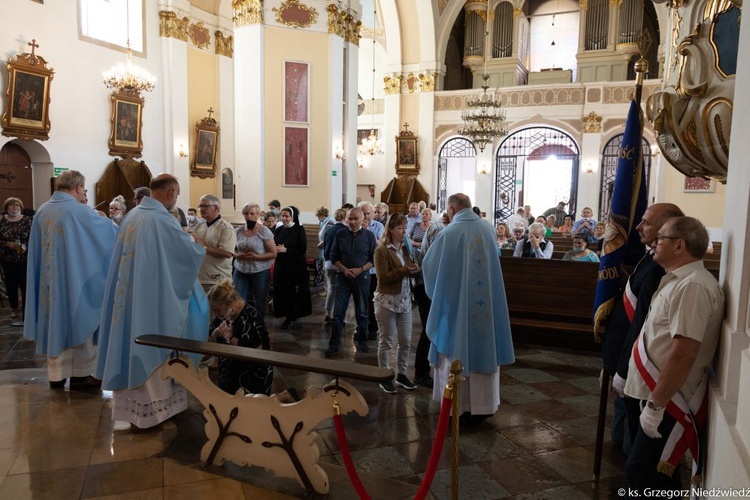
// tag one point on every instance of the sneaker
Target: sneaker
(363, 347)
(424, 381)
(403, 381)
(387, 387)
(331, 351)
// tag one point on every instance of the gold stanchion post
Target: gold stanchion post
(454, 381)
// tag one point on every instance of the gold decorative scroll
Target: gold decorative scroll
(172, 27)
(582, 4)
(224, 44)
(427, 82)
(295, 14)
(392, 84)
(343, 24)
(247, 12)
(199, 35)
(592, 124)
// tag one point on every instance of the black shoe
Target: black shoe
(57, 384)
(387, 387)
(331, 351)
(363, 347)
(83, 382)
(328, 319)
(403, 381)
(424, 381)
(287, 325)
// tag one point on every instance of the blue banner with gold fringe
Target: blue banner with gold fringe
(621, 240)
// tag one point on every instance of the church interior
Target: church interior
(320, 102)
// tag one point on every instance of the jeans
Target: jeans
(372, 322)
(15, 278)
(253, 288)
(358, 288)
(393, 326)
(421, 361)
(330, 275)
(645, 453)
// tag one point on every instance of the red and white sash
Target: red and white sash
(630, 301)
(690, 417)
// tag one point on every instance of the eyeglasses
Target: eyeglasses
(203, 207)
(658, 238)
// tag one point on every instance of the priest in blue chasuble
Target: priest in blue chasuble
(70, 248)
(468, 319)
(152, 288)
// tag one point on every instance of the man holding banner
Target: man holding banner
(667, 376)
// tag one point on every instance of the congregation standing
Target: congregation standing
(148, 271)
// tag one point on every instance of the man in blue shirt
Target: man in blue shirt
(585, 225)
(353, 255)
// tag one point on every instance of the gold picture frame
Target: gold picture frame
(206, 145)
(27, 97)
(407, 153)
(126, 123)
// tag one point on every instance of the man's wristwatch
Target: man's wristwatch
(653, 406)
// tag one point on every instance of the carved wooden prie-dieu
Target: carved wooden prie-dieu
(260, 430)
(692, 116)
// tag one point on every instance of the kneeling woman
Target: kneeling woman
(393, 266)
(237, 323)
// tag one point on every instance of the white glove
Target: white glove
(650, 420)
(618, 384)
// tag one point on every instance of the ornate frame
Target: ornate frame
(126, 125)
(26, 115)
(296, 156)
(206, 145)
(407, 154)
(698, 185)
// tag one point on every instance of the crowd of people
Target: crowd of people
(92, 284)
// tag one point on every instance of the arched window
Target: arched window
(460, 155)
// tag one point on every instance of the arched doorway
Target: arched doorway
(456, 170)
(535, 166)
(610, 155)
(15, 175)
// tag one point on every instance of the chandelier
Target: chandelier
(129, 78)
(372, 145)
(484, 117)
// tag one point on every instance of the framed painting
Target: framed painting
(699, 185)
(296, 91)
(27, 97)
(206, 143)
(407, 157)
(125, 137)
(296, 154)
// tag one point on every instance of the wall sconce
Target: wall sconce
(360, 163)
(589, 169)
(483, 168)
(655, 151)
(182, 153)
(339, 153)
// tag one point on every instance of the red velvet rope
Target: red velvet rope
(437, 449)
(344, 446)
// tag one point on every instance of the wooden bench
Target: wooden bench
(551, 302)
(312, 256)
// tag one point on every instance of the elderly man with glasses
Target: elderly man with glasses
(219, 239)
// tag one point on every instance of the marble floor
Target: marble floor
(61, 443)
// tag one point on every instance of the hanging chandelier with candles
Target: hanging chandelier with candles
(484, 117)
(372, 145)
(129, 78)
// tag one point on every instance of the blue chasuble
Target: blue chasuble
(69, 253)
(469, 314)
(152, 287)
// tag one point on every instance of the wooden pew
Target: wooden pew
(312, 256)
(551, 302)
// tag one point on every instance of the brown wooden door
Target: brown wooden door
(15, 175)
(120, 178)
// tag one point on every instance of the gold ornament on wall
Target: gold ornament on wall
(172, 27)
(224, 44)
(295, 14)
(247, 12)
(592, 124)
(199, 35)
(392, 84)
(427, 82)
